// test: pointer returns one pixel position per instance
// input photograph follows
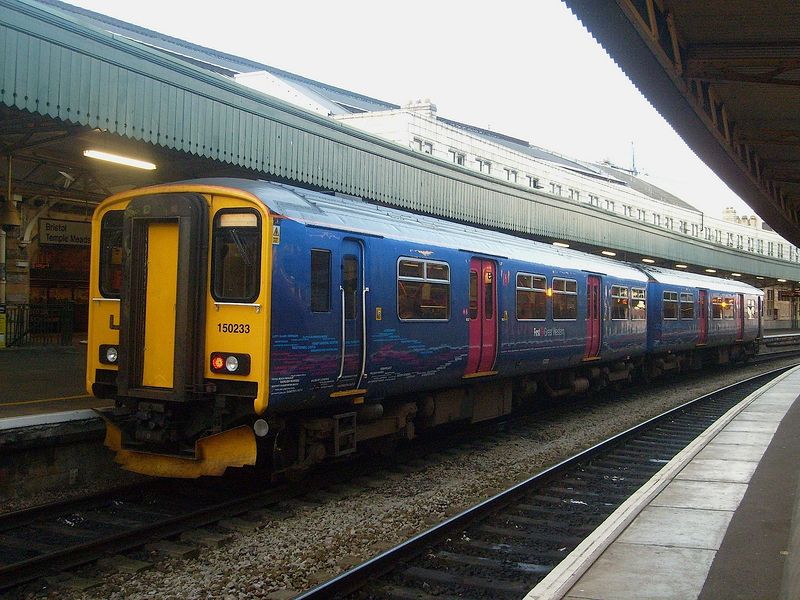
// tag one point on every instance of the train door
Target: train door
(593, 317)
(702, 318)
(740, 316)
(352, 289)
(482, 316)
(162, 299)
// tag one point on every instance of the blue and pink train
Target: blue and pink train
(359, 323)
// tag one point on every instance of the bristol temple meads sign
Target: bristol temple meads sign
(69, 233)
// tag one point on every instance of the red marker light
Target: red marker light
(217, 362)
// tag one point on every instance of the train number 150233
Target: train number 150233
(233, 327)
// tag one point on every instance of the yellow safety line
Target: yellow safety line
(44, 400)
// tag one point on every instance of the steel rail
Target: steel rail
(357, 577)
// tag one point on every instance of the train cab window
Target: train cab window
(111, 253)
(423, 290)
(531, 297)
(687, 306)
(320, 280)
(236, 256)
(565, 299)
(638, 304)
(619, 303)
(670, 307)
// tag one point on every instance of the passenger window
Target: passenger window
(565, 299)
(320, 280)
(531, 297)
(488, 299)
(473, 294)
(687, 306)
(619, 303)
(236, 256)
(638, 304)
(716, 307)
(423, 290)
(111, 254)
(728, 308)
(670, 305)
(350, 286)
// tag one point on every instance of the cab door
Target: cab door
(165, 241)
(482, 317)
(352, 296)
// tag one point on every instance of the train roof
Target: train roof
(696, 280)
(358, 216)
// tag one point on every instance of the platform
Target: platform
(721, 520)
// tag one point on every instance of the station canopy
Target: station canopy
(726, 75)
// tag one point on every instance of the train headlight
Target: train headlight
(230, 363)
(109, 354)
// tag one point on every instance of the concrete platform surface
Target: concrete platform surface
(720, 521)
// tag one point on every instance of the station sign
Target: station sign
(57, 232)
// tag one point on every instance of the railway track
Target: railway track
(64, 536)
(504, 546)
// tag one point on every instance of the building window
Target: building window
(555, 189)
(761, 246)
(641, 214)
(533, 182)
(484, 166)
(565, 299)
(750, 244)
(687, 306)
(770, 248)
(619, 303)
(718, 236)
(729, 239)
(683, 226)
(457, 157)
(610, 205)
(657, 220)
(320, 280)
(423, 290)
(695, 229)
(638, 304)
(574, 195)
(780, 250)
(740, 242)
(670, 308)
(421, 145)
(594, 200)
(511, 175)
(669, 223)
(531, 297)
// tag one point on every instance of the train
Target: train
(239, 322)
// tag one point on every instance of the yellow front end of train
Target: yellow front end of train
(179, 326)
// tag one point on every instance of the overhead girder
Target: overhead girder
(728, 90)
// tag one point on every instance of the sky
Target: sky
(526, 69)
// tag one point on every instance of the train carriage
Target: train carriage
(707, 315)
(234, 320)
